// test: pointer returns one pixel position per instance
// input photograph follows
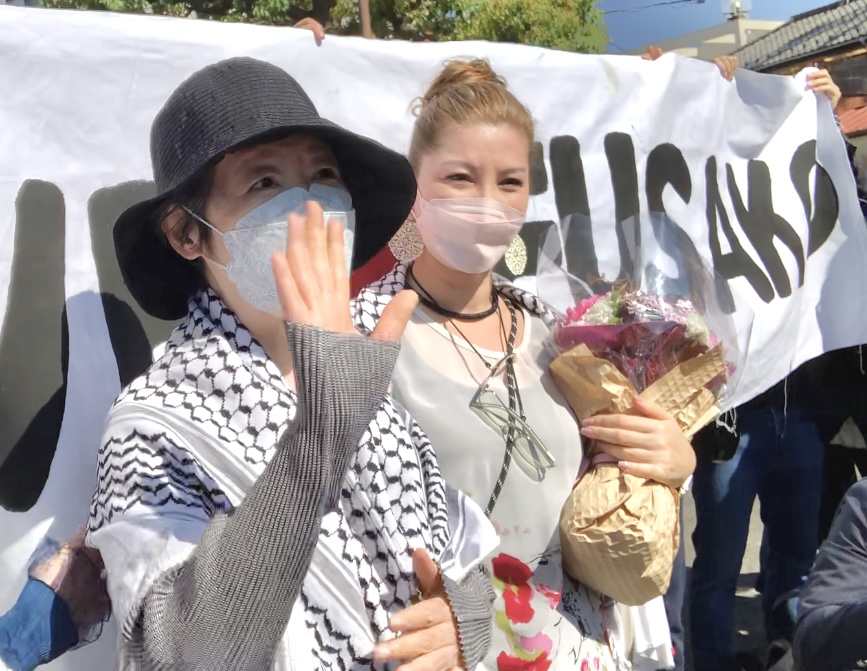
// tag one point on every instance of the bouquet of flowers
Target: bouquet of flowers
(659, 333)
(625, 341)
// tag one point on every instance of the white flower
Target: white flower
(696, 329)
(602, 312)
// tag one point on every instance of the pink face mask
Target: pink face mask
(470, 235)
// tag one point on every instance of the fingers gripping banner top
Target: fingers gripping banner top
(753, 174)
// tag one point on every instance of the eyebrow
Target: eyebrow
(459, 164)
(469, 166)
(323, 155)
(254, 157)
(261, 162)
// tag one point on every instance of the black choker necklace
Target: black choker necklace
(428, 301)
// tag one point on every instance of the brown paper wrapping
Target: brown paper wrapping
(619, 533)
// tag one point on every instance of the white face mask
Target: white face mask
(264, 230)
(467, 234)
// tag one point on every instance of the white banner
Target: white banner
(733, 164)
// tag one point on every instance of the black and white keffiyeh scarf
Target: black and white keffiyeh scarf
(187, 439)
(367, 308)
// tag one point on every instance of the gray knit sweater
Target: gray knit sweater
(228, 605)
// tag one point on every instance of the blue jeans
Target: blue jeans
(779, 458)
(674, 599)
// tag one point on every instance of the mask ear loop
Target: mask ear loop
(213, 262)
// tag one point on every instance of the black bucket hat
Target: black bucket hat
(234, 103)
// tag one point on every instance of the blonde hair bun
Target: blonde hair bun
(466, 91)
(460, 72)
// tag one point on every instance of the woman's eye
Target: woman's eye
(512, 183)
(326, 174)
(459, 177)
(264, 183)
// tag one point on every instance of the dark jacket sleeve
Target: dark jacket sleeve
(832, 616)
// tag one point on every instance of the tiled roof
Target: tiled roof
(854, 122)
(811, 33)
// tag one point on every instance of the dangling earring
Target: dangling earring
(516, 257)
(407, 245)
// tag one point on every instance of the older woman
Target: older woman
(261, 503)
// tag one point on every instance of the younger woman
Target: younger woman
(473, 371)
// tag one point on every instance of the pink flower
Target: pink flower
(575, 314)
(508, 663)
(511, 570)
(538, 643)
(552, 596)
(519, 603)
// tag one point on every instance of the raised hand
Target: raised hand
(652, 53)
(313, 26)
(649, 446)
(313, 282)
(428, 638)
(821, 82)
(727, 66)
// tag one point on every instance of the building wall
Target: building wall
(851, 75)
(719, 40)
(847, 66)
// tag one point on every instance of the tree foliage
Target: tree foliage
(574, 25)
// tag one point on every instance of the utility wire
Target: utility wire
(640, 8)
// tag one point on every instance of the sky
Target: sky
(664, 19)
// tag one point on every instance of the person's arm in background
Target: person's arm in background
(832, 615)
(726, 64)
(37, 629)
(822, 83)
(313, 26)
(61, 607)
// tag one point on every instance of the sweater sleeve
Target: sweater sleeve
(472, 603)
(227, 604)
(832, 614)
